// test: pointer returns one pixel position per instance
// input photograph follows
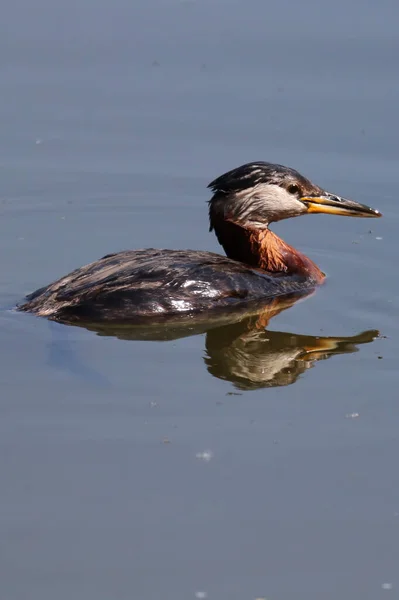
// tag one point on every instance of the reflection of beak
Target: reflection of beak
(328, 345)
(334, 205)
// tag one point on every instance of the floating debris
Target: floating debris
(352, 416)
(387, 586)
(378, 238)
(206, 456)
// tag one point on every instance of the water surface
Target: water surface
(235, 462)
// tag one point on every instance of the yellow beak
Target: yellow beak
(335, 205)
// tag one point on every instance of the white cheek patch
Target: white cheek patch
(274, 203)
(258, 206)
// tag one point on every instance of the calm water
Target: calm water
(236, 463)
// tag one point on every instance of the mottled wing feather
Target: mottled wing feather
(147, 282)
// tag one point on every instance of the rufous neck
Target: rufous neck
(264, 249)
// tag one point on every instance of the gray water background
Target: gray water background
(114, 117)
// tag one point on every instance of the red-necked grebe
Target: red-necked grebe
(134, 284)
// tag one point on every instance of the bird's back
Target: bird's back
(136, 284)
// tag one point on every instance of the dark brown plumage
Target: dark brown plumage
(138, 284)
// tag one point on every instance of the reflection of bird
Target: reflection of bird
(158, 283)
(254, 358)
(239, 348)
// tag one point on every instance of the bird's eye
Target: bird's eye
(294, 189)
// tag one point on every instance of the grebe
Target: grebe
(141, 284)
